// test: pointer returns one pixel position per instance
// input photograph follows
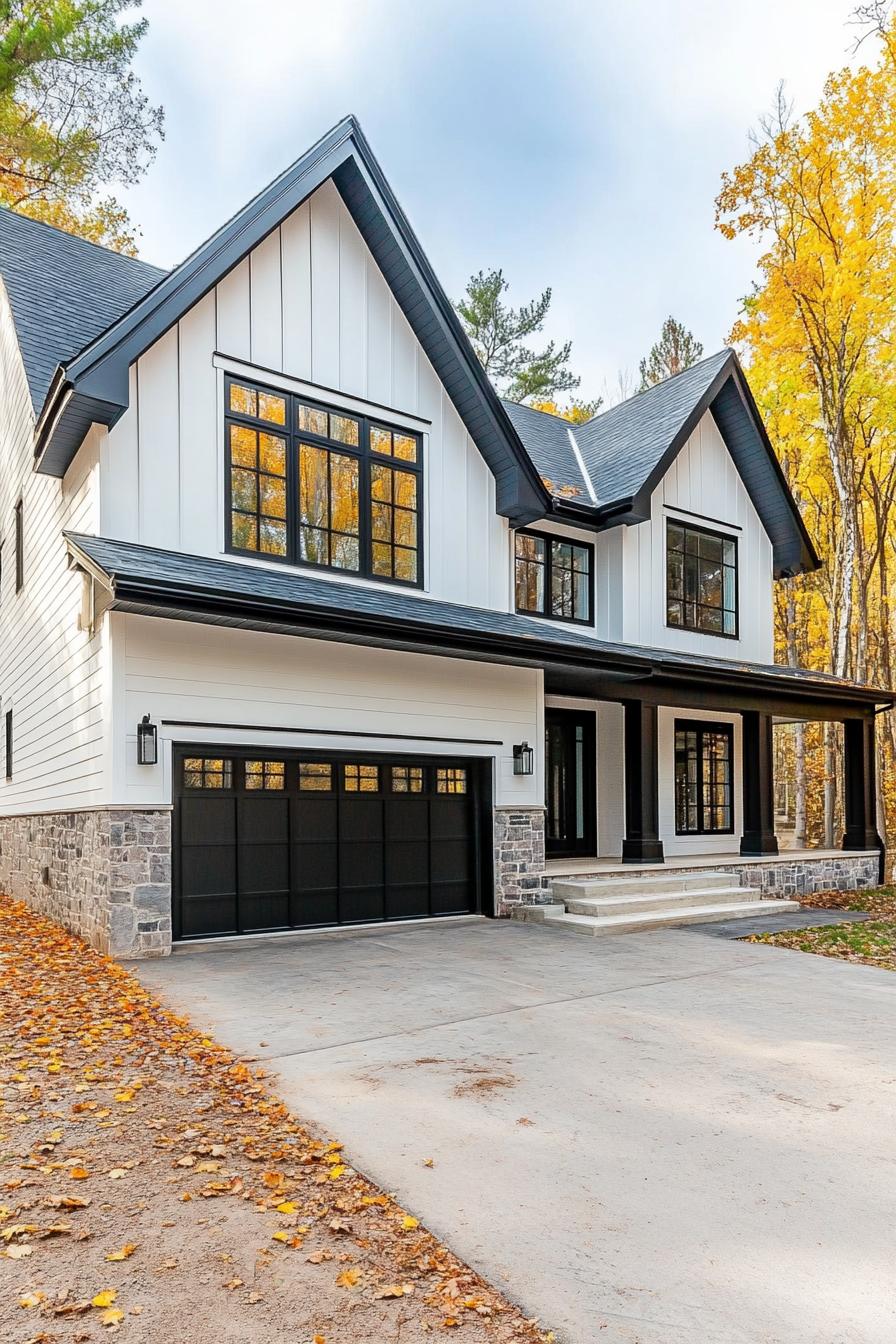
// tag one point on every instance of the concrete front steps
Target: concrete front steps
(604, 905)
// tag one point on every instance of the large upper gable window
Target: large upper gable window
(701, 579)
(313, 485)
(554, 577)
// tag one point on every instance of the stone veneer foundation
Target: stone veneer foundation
(519, 858)
(104, 874)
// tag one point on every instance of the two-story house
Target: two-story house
(302, 626)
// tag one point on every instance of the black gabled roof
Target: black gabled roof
(149, 581)
(94, 383)
(83, 314)
(626, 450)
(63, 291)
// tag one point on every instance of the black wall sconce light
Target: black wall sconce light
(147, 742)
(523, 759)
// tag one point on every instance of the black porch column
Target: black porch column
(642, 843)
(759, 785)
(859, 792)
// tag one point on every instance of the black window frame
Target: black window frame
(550, 538)
(20, 545)
(700, 530)
(362, 453)
(8, 743)
(701, 727)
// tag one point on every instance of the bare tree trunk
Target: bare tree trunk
(799, 770)
(830, 785)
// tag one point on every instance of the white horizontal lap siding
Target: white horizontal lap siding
(269, 684)
(308, 303)
(51, 672)
(702, 487)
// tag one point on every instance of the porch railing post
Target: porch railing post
(642, 843)
(859, 785)
(758, 773)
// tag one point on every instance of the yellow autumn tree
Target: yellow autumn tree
(816, 333)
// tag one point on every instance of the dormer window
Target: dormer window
(554, 577)
(314, 485)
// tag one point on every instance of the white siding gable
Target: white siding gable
(703, 487)
(309, 304)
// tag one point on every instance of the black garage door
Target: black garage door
(278, 840)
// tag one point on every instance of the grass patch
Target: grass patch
(871, 942)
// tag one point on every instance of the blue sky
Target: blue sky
(575, 144)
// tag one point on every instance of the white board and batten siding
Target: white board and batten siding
(191, 678)
(702, 487)
(51, 672)
(310, 306)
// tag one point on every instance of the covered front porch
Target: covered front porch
(681, 775)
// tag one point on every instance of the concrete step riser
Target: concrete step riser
(632, 905)
(603, 926)
(579, 889)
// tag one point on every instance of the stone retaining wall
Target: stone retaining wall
(105, 875)
(775, 878)
(803, 876)
(519, 858)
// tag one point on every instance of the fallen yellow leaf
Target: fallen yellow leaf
(336, 1172)
(79, 1173)
(408, 1222)
(32, 1299)
(112, 1317)
(105, 1298)
(348, 1278)
(280, 1236)
(124, 1254)
(287, 1207)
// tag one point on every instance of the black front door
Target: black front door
(569, 783)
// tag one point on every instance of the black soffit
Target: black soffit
(149, 581)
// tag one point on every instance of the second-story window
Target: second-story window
(554, 577)
(701, 580)
(313, 485)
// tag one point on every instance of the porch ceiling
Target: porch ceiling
(151, 582)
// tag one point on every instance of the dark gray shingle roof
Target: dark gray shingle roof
(63, 292)
(546, 439)
(158, 581)
(619, 447)
(622, 446)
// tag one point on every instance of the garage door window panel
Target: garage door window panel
(269, 776)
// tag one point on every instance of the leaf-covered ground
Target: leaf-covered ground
(872, 942)
(150, 1183)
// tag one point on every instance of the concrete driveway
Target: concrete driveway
(665, 1138)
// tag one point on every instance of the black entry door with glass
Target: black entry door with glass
(569, 783)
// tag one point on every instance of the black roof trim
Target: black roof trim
(97, 378)
(150, 581)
